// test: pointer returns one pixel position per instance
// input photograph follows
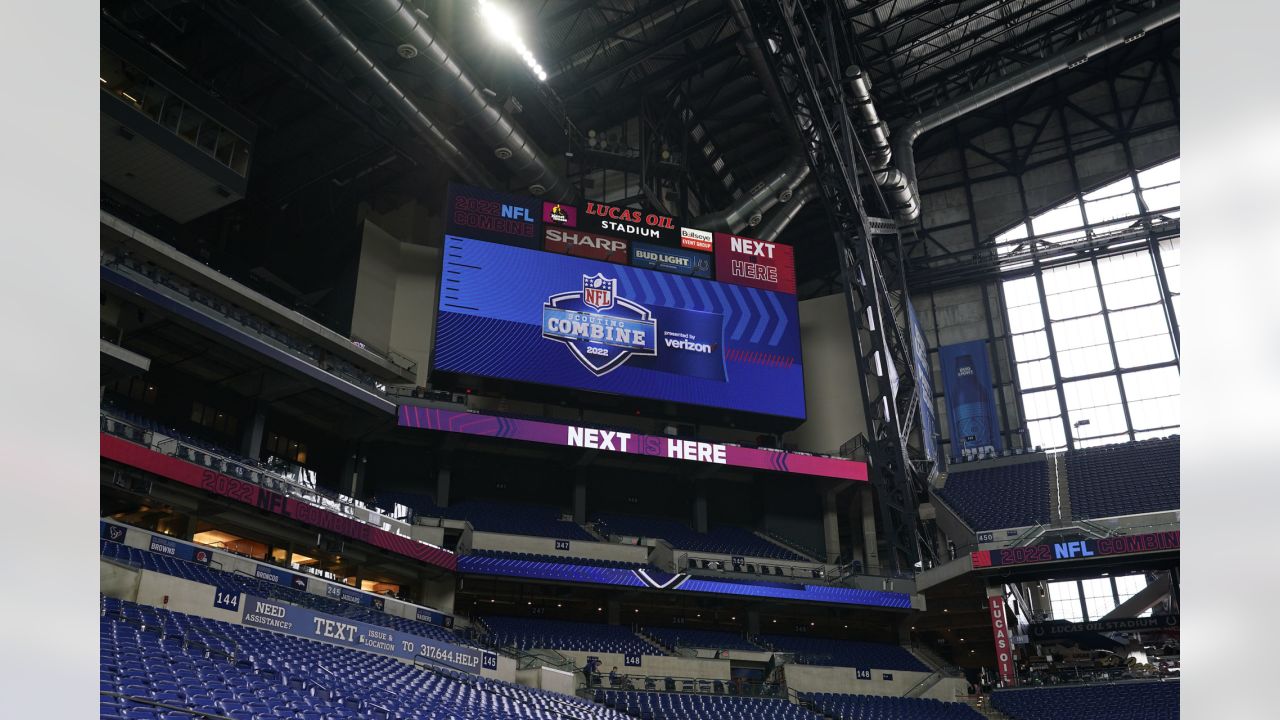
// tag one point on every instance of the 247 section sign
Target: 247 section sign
(1078, 549)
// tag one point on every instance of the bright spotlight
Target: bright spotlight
(499, 22)
(502, 26)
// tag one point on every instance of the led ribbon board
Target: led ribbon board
(497, 426)
(1078, 549)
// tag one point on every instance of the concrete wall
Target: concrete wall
(653, 665)
(395, 297)
(550, 679)
(818, 678)
(833, 399)
(118, 581)
(375, 286)
(547, 546)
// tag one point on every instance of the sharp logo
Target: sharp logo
(581, 239)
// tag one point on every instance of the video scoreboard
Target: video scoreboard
(619, 301)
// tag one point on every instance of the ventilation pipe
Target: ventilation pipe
(783, 216)
(324, 27)
(899, 194)
(1069, 58)
(750, 207)
(533, 168)
(875, 129)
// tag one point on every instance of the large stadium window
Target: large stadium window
(1064, 598)
(1095, 341)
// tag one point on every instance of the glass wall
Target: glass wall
(1091, 599)
(1095, 342)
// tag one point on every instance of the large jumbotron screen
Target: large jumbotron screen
(615, 301)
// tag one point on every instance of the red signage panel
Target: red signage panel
(755, 263)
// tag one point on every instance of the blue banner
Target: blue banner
(671, 260)
(226, 598)
(924, 385)
(280, 577)
(306, 623)
(434, 617)
(539, 317)
(183, 551)
(971, 406)
(113, 532)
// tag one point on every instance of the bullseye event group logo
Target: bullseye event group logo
(601, 329)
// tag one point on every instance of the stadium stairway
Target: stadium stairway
(1059, 494)
(986, 709)
(661, 647)
(782, 543)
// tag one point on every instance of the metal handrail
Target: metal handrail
(163, 706)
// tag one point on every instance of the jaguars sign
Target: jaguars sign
(600, 329)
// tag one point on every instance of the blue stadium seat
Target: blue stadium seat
(528, 634)
(1124, 479)
(993, 498)
(250, 674)
(844, 653)
(875, 707)
(673, 638)
(723, 540)
(1120, 701)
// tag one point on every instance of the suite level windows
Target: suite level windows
(129, 84)
(280, 446)
(136, 389)
(214, 419)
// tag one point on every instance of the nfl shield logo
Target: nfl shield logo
(597, 291)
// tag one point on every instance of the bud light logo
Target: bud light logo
(601, 329)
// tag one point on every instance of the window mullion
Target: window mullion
(1111, 344)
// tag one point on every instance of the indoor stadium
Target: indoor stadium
(654, 359)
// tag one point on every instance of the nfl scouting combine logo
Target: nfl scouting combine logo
(601, 329)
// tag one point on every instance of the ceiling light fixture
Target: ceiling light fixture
(502, 26)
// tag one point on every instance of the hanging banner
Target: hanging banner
(311, 625)
(924, 385)
(1004, 641)
(971, 406)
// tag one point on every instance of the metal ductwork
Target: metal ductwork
(783, 216)
(876, 130)
(1069, 58)
(899, 194)
(528, 163)
(325, 28)
(750, 207)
